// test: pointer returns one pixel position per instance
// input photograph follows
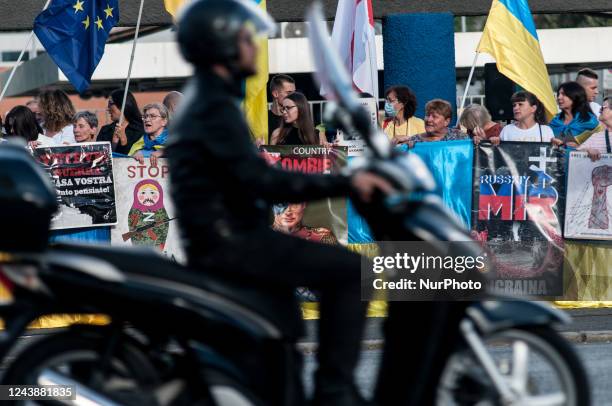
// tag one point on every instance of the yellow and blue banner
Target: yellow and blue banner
(510, 37)
(450, 163)
(256, 101)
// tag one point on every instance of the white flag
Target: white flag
(353, 36)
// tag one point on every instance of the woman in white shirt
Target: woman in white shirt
(529, 116)
(57, 111)
(601, 142)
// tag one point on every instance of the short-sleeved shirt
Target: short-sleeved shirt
(412, 126)
(537, 133)
(597, 141)
(64, 136)
(274, 122)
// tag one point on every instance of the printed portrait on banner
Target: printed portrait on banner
(144, 209)
(589, 197)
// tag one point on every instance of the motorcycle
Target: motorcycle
(178, 337)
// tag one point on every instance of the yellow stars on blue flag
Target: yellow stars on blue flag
(74, 33)
(99, 23)
(78, 6)
(108, 11)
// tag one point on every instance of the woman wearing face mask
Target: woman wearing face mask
(297, 127)
(575, 117)
(401, 124)
(529, 120)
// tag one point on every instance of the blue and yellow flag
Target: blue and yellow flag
(510, 37)
(74, 33)
(255, 101)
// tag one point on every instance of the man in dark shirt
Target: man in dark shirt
(281, 86)
(223, 190)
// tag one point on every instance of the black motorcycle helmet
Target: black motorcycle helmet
(208, 30)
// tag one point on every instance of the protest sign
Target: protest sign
(83, 177)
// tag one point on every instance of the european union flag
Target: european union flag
(74, 33)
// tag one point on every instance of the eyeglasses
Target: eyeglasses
(286, 109)
(392, 101)
(149, 117)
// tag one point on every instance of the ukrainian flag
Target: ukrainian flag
(255, 101)
(510, 37)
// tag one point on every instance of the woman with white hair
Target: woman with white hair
(478, 124)
(151, 144)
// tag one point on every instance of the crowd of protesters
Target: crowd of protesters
(580, 123)
(51, 120)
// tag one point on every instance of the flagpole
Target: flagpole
(127, 82)
(27, 45)
(467, 86)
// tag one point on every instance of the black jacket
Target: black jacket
(133, 132)
(220, 184)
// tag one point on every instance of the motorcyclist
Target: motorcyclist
(223, 191)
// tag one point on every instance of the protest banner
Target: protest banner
(353, 141)
(450, 163)
(322, 221)
(145, 213)
(518, 211)
(587, 215)
(83, 177)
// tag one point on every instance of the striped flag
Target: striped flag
(510, 37)
(354, 37)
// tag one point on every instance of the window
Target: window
(13, 56)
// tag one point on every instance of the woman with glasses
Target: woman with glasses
(122, 138)
(151, 144)
(401, 124)
(297, 127)
(601, 142)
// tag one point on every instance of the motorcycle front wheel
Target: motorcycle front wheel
(540, 367)
(80, 356)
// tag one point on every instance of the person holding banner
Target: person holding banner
(529, 120)
(85, 126)
(132, 127)
(438, 115)
(57, 112)
(600, 143)
(400, 105)
(477, 121)
(297, 127)
(151, 144)
(575, 118)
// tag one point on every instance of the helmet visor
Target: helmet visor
(261, 21)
